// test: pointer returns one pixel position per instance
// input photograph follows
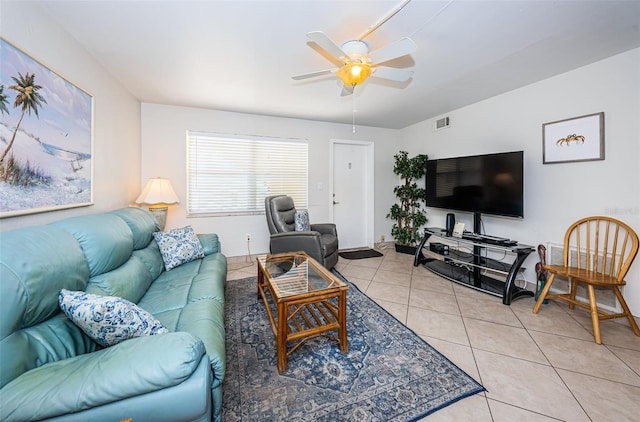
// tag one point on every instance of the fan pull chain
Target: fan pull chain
(354, 109)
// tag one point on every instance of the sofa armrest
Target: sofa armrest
(309, 242)
(210, 243)
(302, 240)
(191, 400)
(131, 368)
(325, 228)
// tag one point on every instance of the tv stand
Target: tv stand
(472, 269)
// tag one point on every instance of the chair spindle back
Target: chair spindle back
(602, 245)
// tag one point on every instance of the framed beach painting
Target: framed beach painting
(576, 139)
(46, 137)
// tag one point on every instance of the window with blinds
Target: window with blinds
(232, 174)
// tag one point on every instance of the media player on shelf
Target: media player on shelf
(439, 248)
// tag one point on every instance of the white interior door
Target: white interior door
(352, 188)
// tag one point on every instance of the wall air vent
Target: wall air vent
(442, 123)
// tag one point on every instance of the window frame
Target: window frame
(277, 152)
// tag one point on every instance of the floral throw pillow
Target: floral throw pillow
(302, 221)
(179, 246)
(108, 320)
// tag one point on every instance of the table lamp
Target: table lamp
(158, 193)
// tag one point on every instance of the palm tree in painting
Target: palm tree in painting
(28, 99)
(3, 101)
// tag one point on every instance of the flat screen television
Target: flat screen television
(483, 184)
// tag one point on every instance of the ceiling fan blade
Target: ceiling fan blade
(393, 51)
(382, 20)
(313, 74)
(327, 44)
(400, 75)
(346, 90)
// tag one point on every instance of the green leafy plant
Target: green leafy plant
(409, 213)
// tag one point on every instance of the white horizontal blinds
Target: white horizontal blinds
(229, 174)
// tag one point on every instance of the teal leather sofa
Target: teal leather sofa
(49, 369)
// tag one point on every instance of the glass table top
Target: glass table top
(296, 274)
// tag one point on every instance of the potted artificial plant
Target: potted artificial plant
(409, 214)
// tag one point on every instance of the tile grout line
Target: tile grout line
(392, 261)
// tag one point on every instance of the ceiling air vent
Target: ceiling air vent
(442, 123)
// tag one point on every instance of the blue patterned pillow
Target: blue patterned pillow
(179, 246)
(302, 221)
(108, 320)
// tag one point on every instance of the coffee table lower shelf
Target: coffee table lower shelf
(303, 316)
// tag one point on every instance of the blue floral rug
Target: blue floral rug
(389, 373)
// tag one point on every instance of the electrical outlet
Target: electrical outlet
(381, 238)
(248, 237)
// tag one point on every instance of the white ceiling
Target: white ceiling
(240, 55)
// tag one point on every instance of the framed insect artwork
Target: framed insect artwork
(575, 139)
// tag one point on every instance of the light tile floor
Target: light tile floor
(540, 367)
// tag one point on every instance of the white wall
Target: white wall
(116, 141)
(164, 150)
(131, 145)
(555, 194)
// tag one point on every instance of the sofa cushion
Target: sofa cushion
(201, 279)
(130, 281)
(212, 267)
(179, 246)
(141, 222)
(151, 258)
(93, 232)
(130, 369)
(106, 319)
(35, 263)
(177, 281)
(210, 243)
(49, 341)
(204, 319)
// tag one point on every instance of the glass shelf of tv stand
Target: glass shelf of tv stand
(441, 233)
(472, 269)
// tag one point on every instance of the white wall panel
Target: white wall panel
(116, 131)
(555, 194)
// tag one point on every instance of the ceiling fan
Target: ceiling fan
(357, 62)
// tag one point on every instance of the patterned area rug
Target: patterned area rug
(389, 373)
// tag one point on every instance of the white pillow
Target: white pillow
(179, 246)
(108, 320)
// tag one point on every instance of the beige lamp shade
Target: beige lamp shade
(158, 193)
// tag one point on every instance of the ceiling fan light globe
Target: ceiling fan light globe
(354, 74)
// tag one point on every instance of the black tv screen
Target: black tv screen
(489, 184)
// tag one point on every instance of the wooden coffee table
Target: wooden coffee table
(303, 300)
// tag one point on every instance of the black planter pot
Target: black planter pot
(410, 250)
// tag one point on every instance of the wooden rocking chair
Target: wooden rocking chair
(598, 251)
